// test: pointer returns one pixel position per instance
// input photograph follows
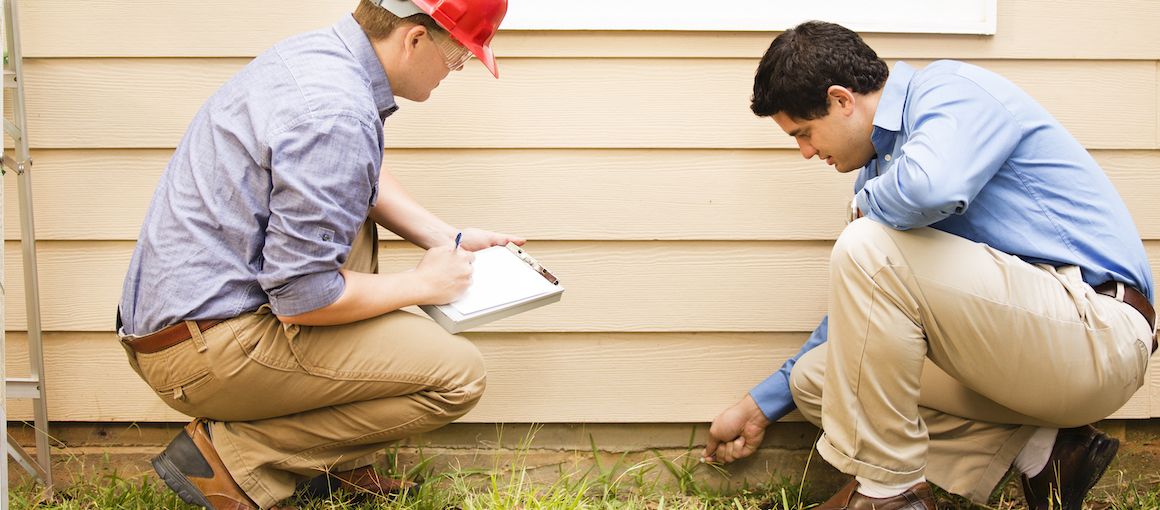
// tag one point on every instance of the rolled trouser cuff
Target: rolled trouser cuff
(855, 467)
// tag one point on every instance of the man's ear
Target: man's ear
(842, 97)
(412, 37)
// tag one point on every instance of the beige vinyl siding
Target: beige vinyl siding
(550, 103)
(1052, 29)
(533, 377)
(622, 286)
(691, 236)
(557, 194)
(611, 286)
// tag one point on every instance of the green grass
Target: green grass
(509, 489)
(110, 491)
(455, 490)
(657, 483)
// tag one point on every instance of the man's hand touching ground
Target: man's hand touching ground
(736, 433)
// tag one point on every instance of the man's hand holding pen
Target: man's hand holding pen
(474, 239)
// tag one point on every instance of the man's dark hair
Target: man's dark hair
(803, 62)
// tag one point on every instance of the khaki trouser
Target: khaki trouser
(288, 402)
(944, 355)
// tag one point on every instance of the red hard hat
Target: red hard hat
(471, 22)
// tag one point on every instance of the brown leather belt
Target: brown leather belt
(167, 337)
(1134, 299)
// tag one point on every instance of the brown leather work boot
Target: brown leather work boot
(918, 497)
(191, 467)
(363, 482)
(1078, 460)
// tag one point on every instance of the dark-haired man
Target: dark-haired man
(994, 300)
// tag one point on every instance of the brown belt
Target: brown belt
(167, 337)
(1134, 299)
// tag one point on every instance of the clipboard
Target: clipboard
(506, 281)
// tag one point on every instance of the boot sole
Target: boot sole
(177, 481)
(1103, 450)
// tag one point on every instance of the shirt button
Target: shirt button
(886, 157)
(326, 237)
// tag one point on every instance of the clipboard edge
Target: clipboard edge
(454, 325)
(528, 259)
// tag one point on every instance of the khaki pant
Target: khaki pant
(944, 355)
(288, 402)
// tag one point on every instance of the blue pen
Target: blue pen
(457, 238)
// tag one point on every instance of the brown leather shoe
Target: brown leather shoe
(363, 482)
(191, 467)
(918, 497)
(1078, 460)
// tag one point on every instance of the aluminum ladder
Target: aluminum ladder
(19, 161)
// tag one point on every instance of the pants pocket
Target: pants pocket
(1144, 350)
(263, 339)
(180, 375)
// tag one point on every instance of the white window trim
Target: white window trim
(898, 16)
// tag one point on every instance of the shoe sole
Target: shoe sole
(177, 481)
(1103, 450)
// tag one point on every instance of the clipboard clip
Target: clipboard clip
(531, 261)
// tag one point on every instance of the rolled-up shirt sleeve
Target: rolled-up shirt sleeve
(773, 395)
(324, 169)
(961, 136)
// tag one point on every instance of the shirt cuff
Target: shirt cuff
(862, 202)
(773, 396)
(307, 293)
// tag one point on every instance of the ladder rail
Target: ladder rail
(22, 165)
(3, 308)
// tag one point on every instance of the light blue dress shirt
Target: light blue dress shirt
(267, 190)
(965, 151)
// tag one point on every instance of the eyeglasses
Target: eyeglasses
(455, 55)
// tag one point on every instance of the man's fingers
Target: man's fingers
(739, 446)
(738, 449)
(723, 454)
(751, 448)
(731, 450)
(502, 239)
(710, 449)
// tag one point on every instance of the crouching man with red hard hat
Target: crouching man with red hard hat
(253, 299)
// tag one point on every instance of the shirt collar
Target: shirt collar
(888, 116)
(360, 47)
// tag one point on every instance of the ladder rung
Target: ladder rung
(13, 130)
(25, 460)
(16, 166)
(22, 387)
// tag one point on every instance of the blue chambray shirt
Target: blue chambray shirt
(267, 190)
(965, 151)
